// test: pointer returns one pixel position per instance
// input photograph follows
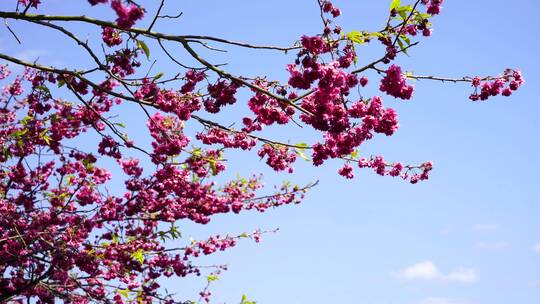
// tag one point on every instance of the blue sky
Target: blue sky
(469, 235)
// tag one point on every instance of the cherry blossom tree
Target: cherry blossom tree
(64, 237)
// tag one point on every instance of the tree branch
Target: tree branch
(145, 32)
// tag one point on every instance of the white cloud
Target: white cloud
(422, 271)
(498, 245)
(485, 227)
(536, 248)
(445, 301)
(428, 271)
(462, 275)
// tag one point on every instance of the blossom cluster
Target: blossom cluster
(108, 240)
(227, 139)
(111, 37)
(504, 85)
(395, 83)
(279, 158)
(433, 6)
(127, 14)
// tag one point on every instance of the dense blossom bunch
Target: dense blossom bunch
(315, 45)
(111, 37)
(127, 15)
(192, 78)
(327, 103)
(124, 62)
(227, 139)
(182, 105)
(269, 110)
(221, 94)
(279, 158)
(169, 140)
(375, 119)
(66, 236)
(433, 6)
(328, 7)
(395, 83)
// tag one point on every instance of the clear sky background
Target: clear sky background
(469, 235)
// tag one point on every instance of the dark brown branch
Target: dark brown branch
(11, 31)
(75, 74)
(174, 59)
(145, 32)
(438, 78)
(156, 16)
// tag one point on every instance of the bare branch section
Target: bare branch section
(145, 32)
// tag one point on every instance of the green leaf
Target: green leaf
(43, 88)
(212, 278)
(19, 133)
(406, 39)
(7, 153)
(175, 233)
(300, 148)
(47, 139)
(246, 301)
(244, 235)
(138, 256)
(26, 119)
(302, 154)
(402, 46)
(395, 4)
(213, 167)
(356, 36)
(404, 9)
(158, 75)
(124, 293)
(378, 34)
(144, 47)
(43, 133)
